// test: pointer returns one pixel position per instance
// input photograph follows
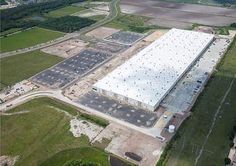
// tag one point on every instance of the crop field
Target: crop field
(64, 11)
(23, 66)
(41, 136)
(27, 38)
(171, 14)
(207, 2)
(133, 23)
(204, 137)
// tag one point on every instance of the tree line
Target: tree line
(3, 2)
(14, 17)
(67, 24)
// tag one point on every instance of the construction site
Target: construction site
(160, 120)
(143, 84)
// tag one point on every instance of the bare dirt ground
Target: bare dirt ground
(79, 127)
(205, 29)
(95, 5)
(102, 32)
(16, 90)
(101, 6)
(155, 35)
(169, 23)
(128, 140)
(66, 49)
(8, 160)
(14, 113)
(167, 12)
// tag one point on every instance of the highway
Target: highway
(114, 11)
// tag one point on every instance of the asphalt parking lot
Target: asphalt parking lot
(120, 111)
(70, 69)
(122, 37)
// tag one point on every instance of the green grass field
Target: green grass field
(131, 23)
(27, 38)
(23, 66)
(98, 17)
(64, 11)
(42, 136)
(193, 133)
(88, 154)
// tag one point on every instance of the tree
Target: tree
(231, 144)
(227, 161)
(233, 25)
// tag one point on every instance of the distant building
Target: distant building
(146, 78)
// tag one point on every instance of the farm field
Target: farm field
(23, 66)
(41, 136)
(204, 137)
(171, 14)
(207, 2)
(27, 38)
(64, 11)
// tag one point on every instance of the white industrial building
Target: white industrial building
(146, 78)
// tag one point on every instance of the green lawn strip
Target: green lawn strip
(19, 67)
(131, 23)
(98, 17)
(94, 119)
(42, 133)
(64, 11)
(87, 154)
(228, 64)
(28, 38)
(193, 132)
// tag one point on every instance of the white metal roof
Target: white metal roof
(150, 74)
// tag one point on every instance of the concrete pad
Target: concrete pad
(128, 140)
(66, 49)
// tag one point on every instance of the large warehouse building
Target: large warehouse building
(146, 78)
